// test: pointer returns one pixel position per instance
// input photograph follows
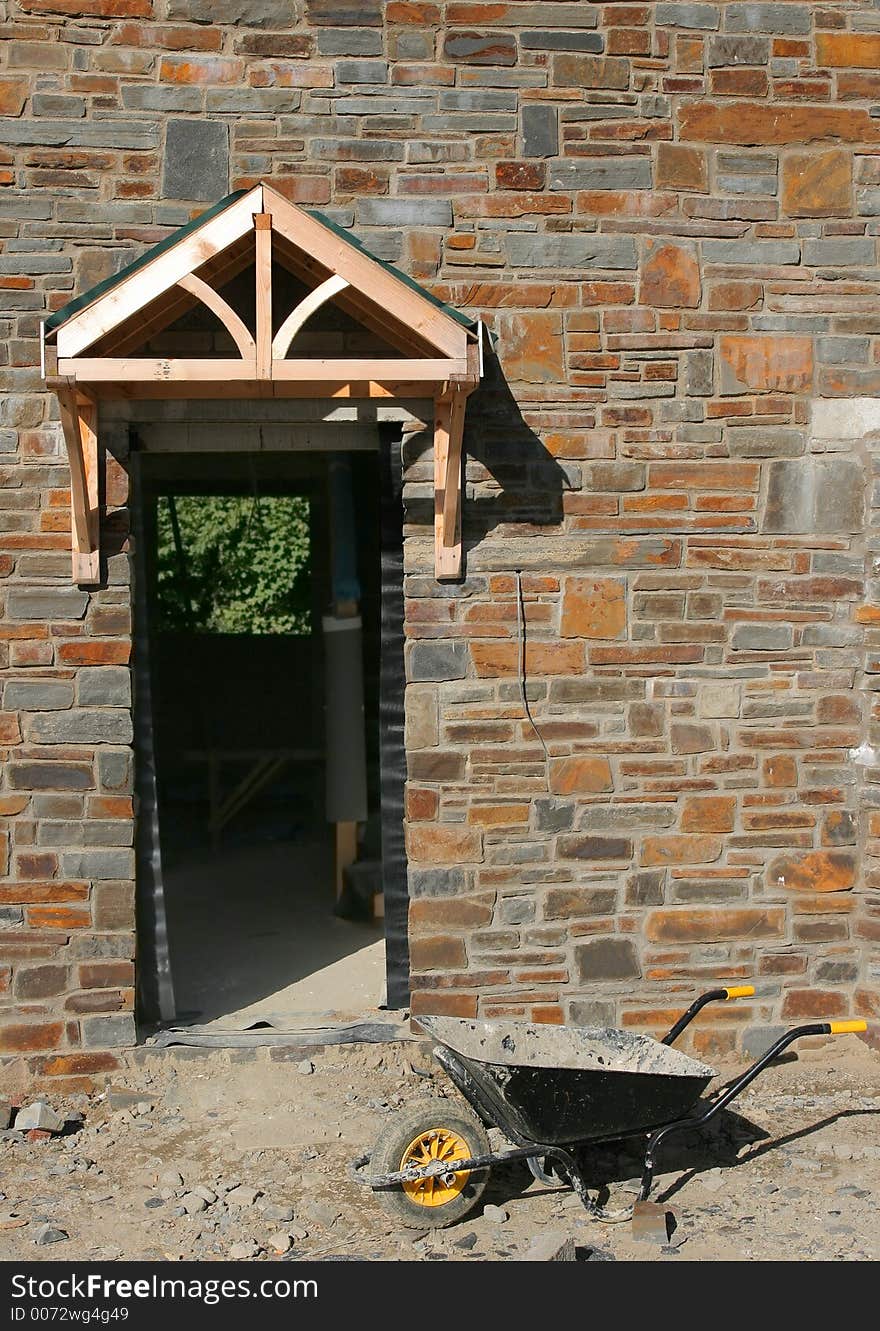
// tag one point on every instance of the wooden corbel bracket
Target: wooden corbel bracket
(79, 423)
(449, 409)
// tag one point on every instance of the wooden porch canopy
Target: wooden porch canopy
(99, 345)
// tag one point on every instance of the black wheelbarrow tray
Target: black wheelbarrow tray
(550, 1090)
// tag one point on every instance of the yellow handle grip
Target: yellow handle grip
(740, 991)
(847, 1027)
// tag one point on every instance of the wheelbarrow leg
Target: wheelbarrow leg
(698, 1120)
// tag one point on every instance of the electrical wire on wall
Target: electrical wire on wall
(521, 625)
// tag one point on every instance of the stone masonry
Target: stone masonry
(667, 215)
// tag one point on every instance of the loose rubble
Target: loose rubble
(217, 1156)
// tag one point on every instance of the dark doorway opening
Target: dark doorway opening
(243, 566)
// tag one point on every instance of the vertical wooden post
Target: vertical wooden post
(448, 437)
(263, 225)
(79, 423)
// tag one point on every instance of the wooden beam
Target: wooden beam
(263, 269)
(367, 275)
(452, 480)
(164, 271)
(79, 425)
(304, 311)
(235, 327)
(146, 369)
(449, 411)
(318, 369)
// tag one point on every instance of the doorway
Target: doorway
(272, 773)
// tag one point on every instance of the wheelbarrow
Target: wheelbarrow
(551, 1090)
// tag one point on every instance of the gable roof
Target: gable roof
(290, 220)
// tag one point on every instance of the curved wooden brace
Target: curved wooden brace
(303, 311)
(234, 326)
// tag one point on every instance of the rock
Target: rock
(297, 1232)
(496, 1215)
(38, 1115)
(278, 1213)
(47, 1234)
(280, 1242)
(240, 1252)
(171, 1178)
(306, 1067)
(554, 1246)
(467, 1241)
(152, 1202)
(5, 1114)
(118, 1098)
(652, 1222)
(192, 1203)
(144, 1106)
(209, 1194)
(241, 1196)
(323, 1213)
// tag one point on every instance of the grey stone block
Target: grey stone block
(79, 134)
(362, 71)
(601, 173)
(517, 910)
(868, 202)
(571, 251)
(437, 661)
(607, 959)
(34, 265)
(699, 373)
(100, 865)
(754, 186)
(145, 97)
(766, 441)
(113, 1032)
(791, 19)
(843, 350)
(762, 637)
(613, 477)
(478, 99)
(244, 13)
(101, 947)
(822, 494)
(840, 251)
(645, 888)
(539, 129)
(196, 162)
(758, 1039)
(592, 1012)
(111, 725)
(704, 17)
(725, 51)
(759, 253)
(349, 41)
(104, 686)
(405, 212)
(11, 915)
(115, 770)
(37, 695)
(591, 42)
(553, 815)
(437, 882)
(46, 603)
(57, 104)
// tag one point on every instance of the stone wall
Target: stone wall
(666, 214)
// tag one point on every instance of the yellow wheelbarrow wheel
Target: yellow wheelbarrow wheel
(421, 1135)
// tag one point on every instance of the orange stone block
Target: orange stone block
(735, 296)
(711, 813)
(531, 347)
(714, 926)
(818, 184)
(848, 50)
(780, 771)
(766, 363)
(498, 815)
(680, 850)
(594, 608)
(492, 659)
(670, 276)
(580, 776)
(13, 95)
(443, 843)
(817, 871)
(814, 1004)
(754, 124)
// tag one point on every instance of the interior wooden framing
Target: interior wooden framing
(90, 355)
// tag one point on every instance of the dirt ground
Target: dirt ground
(247, 1155)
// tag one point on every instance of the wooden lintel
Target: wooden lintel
(263, 277)
(448, 439)
(79, 424)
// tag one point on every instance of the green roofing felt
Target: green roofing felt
(101, 288)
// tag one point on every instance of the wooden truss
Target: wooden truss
(93, 352)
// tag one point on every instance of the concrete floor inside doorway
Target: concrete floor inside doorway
(254, 939)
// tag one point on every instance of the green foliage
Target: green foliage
(245, 568)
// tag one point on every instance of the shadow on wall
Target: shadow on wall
(511, 476)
